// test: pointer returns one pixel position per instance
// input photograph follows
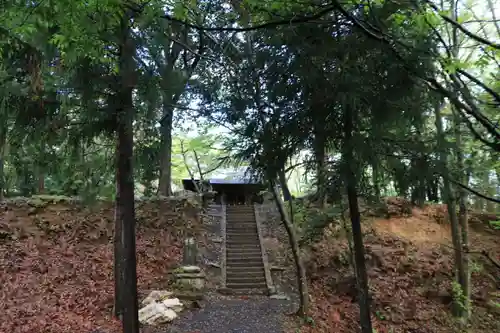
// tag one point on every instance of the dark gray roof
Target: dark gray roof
(229, 181)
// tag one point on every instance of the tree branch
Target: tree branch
(462, 28)
(470, 108)
(495, 95)
(183, 151)
(198, 164)
(267, 25)
(465, 187)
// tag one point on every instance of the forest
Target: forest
(335, 101)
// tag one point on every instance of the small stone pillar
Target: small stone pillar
(189, 276)
(190, 252)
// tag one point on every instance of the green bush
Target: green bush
(311, 221)
(495, 224)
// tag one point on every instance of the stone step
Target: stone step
(244, 247)
(236, 227)
(247, 281)
(254, 267)
(253, 263)
(245, 270)
(238, 230)
(235, 243)
(244, 225)
(239, 212)
(243, 238)
(242, 261)
(231, 244)
(244, 252)
(232, 254)
(249, 265)
(241, 233)
(235, 251)
(230, 257)
(240, 215)
(243, 222)
(245, 278)
(252, 271)
(241, 229)
(247, 286)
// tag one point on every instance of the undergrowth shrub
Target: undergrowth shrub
(495, 224)
(310, 221)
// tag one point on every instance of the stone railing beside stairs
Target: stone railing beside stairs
(277, 248)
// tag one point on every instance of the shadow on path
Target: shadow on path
(234, 315)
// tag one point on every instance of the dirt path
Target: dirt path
(234, 315)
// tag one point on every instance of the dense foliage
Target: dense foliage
(376, 97)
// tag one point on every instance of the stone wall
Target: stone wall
(277, 246)
(211, 245)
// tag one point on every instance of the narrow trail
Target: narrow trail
(222, 314)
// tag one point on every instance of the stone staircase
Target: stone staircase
(245, 271)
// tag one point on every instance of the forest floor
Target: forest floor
(56, 270)
(56, 265)
(410, 272)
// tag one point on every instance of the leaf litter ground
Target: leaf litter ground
(56, 270)
(409, 260)
(56, 274)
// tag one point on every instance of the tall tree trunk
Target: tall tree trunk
(165, 182)
(40, 172)
(118, 249)
(3, 142)
(490, 205)
(357, 235)
(459, 228)
(376, 179)
(294, 242)
(125, 198)
(171, 95)
(287, 196)
(432, 190)
(498, 188)
(464, 274)
(320, 157)
(41, 181)
(448, 196)
(422, 164)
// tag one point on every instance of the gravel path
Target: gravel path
(234, 315)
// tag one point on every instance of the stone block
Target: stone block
(194, 281)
